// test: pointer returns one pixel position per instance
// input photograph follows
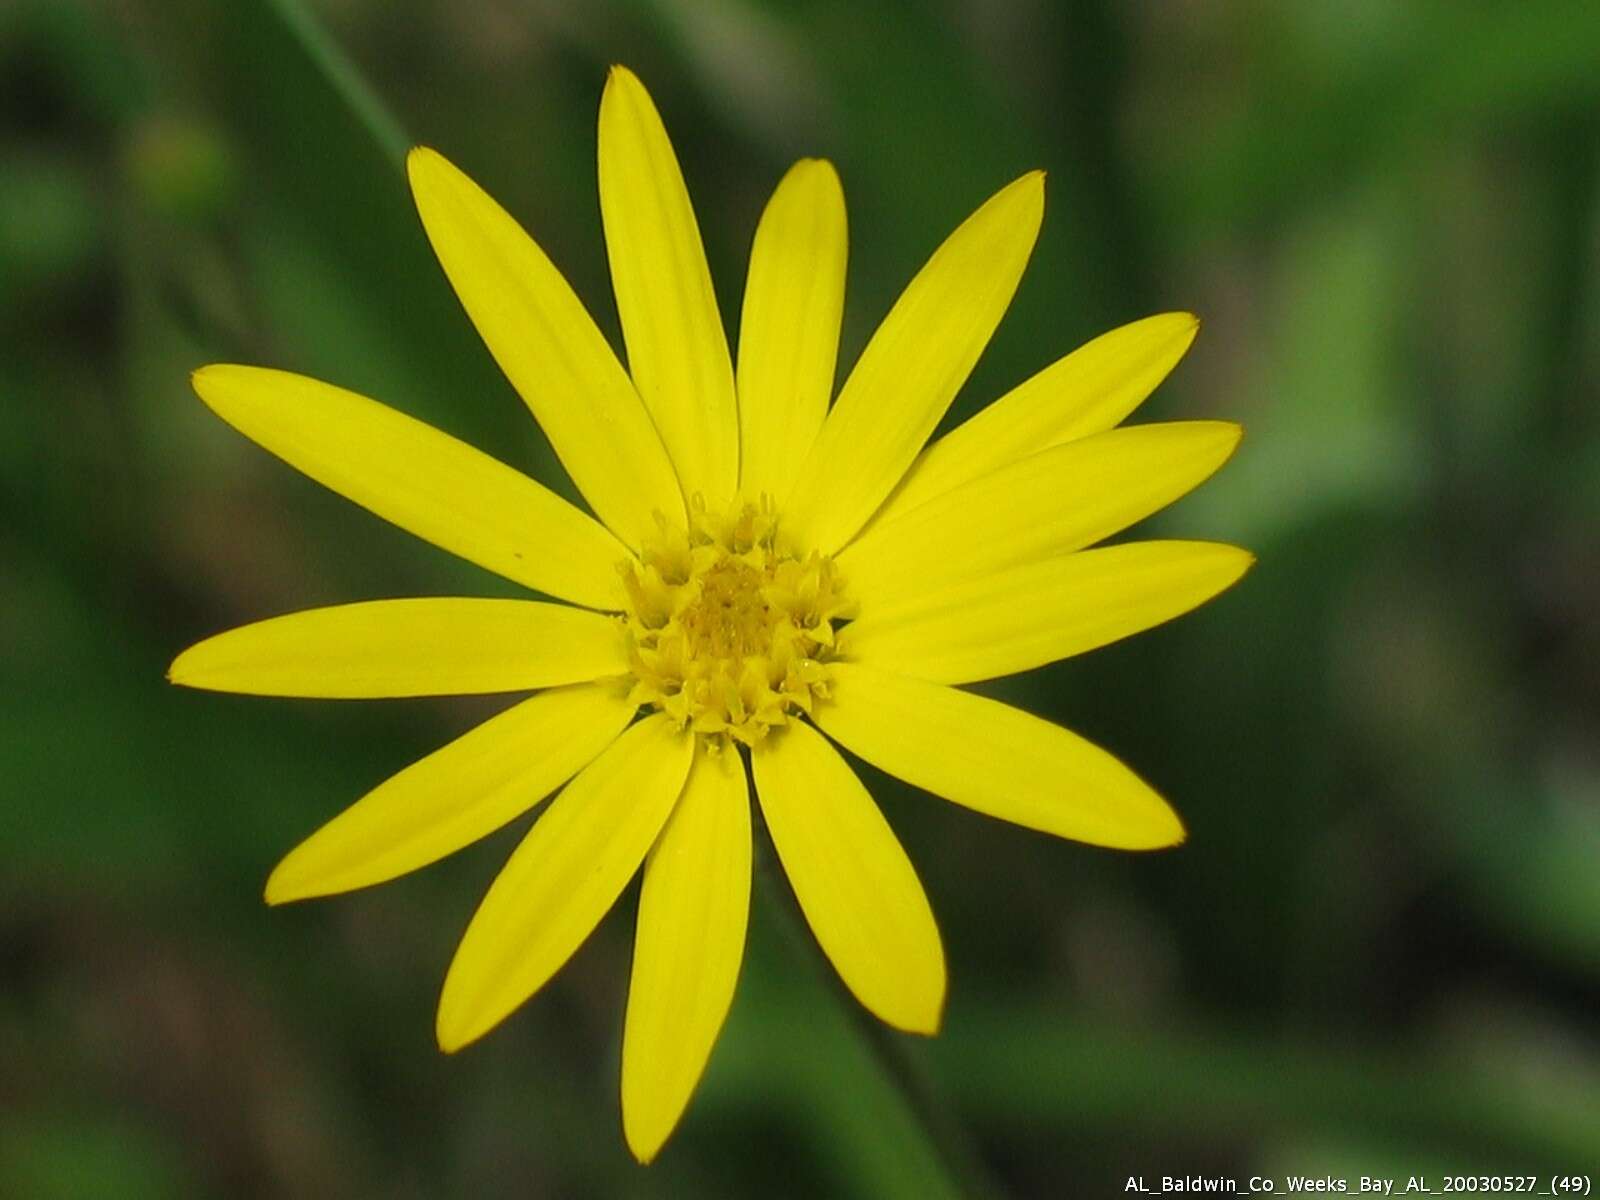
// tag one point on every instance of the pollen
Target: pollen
(730, 631)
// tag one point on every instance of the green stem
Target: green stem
(345, 79)
(899, 1059)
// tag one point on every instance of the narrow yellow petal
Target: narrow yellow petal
(1056, 501)
(457, 794)
(995, 759)
(692, 914)
(448, 646)
(912, 368)
(855, 884)
(789, 329)
(677, 349)
(1023, 617)
(562, 879)
(1089, 391)
(424, 481)
(549, 347)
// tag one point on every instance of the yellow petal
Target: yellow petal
(995, 759)
(1023, 617)
(1050, 503)
(1089, 391)
(789, 329)
(912, 368)
(562, 879)
(677, 349)
(855, 884)
(457, 794)
(550, 349)
(425, 647)
(424, 481)
(692, 914)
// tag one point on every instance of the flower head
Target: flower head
(763, 575)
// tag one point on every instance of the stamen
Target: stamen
(730, 633)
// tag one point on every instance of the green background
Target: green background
(1379, 953)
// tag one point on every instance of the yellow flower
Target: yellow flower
(761, 570)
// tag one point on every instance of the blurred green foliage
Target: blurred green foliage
(1380, 950)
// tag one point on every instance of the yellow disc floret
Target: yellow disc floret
(729, 632)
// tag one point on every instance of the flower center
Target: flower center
(729, 634)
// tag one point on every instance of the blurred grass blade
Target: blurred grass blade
(341, 73)
(340, 268)
(1506, 1093)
